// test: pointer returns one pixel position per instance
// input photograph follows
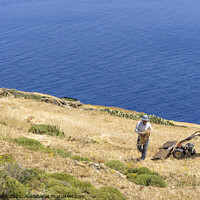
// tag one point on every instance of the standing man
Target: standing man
(143, 128)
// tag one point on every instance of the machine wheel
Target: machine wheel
(178, 153)
(193, 152)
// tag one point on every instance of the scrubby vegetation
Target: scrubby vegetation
(141, 175)
(68, 99)
(59, 152)
(19, 94)
(6, 158)
(18, 182)
(144, 176)
(72, 187)
(35, 145)
(31, 144)
(152, 118)
(45, 129)
(116, 165)
(10, 187)
(80, 158)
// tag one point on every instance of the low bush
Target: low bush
(52, 182)
(116, 165)
(107, 193)
(63, 191)
(18, 182)
(73, 188)
(59, 152)
(62, 176)
(68, 99)
(152, 118)
(144, 176)
(150, 180)
(45, 129)
(6, 158)
(10, 187)
(131, 176)
(23, 141)
(15, 171)
(35, 145)
(31, 144)
(71, 181)
(19, 94)
(36, 178)
(80, 158)
(142, 170)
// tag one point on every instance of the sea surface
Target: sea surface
(141, 55)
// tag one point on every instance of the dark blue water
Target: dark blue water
(140, 55)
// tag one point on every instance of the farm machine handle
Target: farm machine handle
(192, 136)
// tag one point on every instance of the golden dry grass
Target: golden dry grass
(101, 137)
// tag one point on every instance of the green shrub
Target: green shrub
(19, 94)
(31, 144)
(37, 173)
(23, 141)
(23, 175)
(62, 176)
(70, 180)
(6, 158)
(59, 152)
(144, 176)
(80, 158)
(157, 181)
(107, 193)
(33, 177)
(35, 145)
(52, 182)
(63, 191)
(66, 184)
(59, 185)
(11, 188)
(152, 118)
(46, 129)
(115, 164)
(36, 178)
(85, 187)
(142, 170)
(15, 171)
(131, 176)
(68, 99)
(150, 180)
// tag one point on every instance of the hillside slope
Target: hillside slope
(100, 137)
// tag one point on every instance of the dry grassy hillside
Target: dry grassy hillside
(100, 137)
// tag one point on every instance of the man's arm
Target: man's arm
(150, 127)
(137, 130)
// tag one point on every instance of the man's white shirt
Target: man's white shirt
(140, 127)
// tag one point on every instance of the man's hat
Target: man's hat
(145, 118)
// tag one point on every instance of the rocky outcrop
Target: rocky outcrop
(4, 93)
(40, 97)
(63, 103)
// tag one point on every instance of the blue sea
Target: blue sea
(141, 55)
